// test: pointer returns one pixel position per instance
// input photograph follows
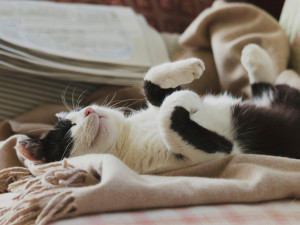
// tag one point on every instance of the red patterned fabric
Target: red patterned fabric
(175, 15)
(164, 15)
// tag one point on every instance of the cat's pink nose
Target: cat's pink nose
(88, 111)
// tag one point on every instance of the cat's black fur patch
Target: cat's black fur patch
(155, 94)
(284, 94)
(58, 141)
(273, 130)
(258, 89)
(196, 135)
(56, 145)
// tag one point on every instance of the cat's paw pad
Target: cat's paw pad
(257, 63)
(195, 66)
(187, 70)
(172, 75)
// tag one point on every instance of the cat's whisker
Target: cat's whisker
(120, 101)
(78, 102)
(85, 137)
(63, 98)
(72, 141)
(125, 100)
(133, 103)
(40, 129)
(105, 100)
(127, 108)
(54, 119)
(77, 143)
(73, 102)
(112, 99)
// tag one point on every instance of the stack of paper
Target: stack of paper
(77, 42)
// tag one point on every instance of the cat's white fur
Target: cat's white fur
(144, 140)
(138, 140)
(260, 68)
(170, 75)
(258, 64)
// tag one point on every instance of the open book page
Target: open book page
(47, 65)
(15, 70)
(157, 50)
(77, 31)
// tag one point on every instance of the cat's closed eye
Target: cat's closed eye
(77, 109)
(64, 124)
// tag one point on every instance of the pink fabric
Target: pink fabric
(275, 213)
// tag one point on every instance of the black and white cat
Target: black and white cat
(179, 128)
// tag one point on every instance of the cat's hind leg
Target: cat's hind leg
(198, 129)
(259, 66)
(162, 80)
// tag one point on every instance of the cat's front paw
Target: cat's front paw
(174, 74)
(257, 63)
(195, 67)
(186, 99)
(185, 103)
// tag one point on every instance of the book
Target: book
(77, 42)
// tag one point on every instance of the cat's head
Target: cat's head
(93, 129)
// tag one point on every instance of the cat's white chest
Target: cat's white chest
(145, 151)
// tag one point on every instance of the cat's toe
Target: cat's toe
(197, 67)
(172, 75)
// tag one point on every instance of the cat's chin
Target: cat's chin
(98, 123)
(96, 130)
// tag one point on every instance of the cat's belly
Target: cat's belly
(145, 151)
(154, 162)
(147, 154)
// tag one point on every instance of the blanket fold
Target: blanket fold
(44, 193)
(102, 183)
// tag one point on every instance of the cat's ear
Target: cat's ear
(32, 149)
(61, 115)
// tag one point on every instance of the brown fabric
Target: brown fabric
(8, 156)
(226, 29)
(69, 188)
